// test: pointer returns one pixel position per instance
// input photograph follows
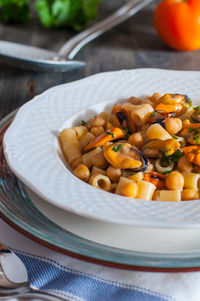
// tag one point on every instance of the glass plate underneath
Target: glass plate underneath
(17, 209)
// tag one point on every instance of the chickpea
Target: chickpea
(82, 172)
(155, 97)
(97, 130)
(189, 194)
(186, 122)
(96, 121)
(109, 125)
(113, 173)
(104, 115)
(136, 139)
(99, 160)
(136, 177)
(184, 165)
(130, 190)
(135, 100)
(174, 181)
(99, 121)
(173, 125)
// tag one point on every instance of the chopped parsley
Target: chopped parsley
(127, 133)
(197, 110)
(195, 133)
(174, 158)
(190, 130)
(111, 134)
(166, 172)
(196, 139)
(174, 137)
(83, 122)
(117, 147)
(190, 102)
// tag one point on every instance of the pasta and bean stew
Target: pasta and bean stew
(146, 148)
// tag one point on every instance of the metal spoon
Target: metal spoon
(14, 279)
(33, 58)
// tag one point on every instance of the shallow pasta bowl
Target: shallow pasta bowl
(31, 148)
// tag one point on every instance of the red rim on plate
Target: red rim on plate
(9, 212)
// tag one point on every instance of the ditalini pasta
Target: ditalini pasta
(141, 115)
(146, 190)
(172, 195)
(146, 148)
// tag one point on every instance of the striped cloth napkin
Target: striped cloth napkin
(77, 280)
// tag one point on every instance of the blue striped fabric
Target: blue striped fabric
(49, 275)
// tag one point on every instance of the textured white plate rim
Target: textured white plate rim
(146, 240)
(19, 171)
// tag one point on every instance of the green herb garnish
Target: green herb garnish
(154, 114)
(117, 148)
(174, 137)
(190, 130)
(83, 122)
(174, 158)
(166, 172)
(197, 110)
(196, 139)
(195, 133)
(127, 133)
(111, 134)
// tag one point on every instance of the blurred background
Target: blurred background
(133, 44)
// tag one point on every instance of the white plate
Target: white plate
(30, 146)
(129, 238)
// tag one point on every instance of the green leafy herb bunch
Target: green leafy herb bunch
(71, 13)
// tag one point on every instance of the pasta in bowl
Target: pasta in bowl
(144, 148)
(34, 155)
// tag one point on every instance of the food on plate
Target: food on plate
(145, 148)
(177, 23)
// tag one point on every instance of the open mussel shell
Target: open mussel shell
(142, 158)
(125, 156)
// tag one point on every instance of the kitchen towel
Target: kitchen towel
(77, 280)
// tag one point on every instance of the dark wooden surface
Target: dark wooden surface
(133, 44)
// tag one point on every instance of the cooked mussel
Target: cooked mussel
(125, 156)
(177, 103)
(195, 116)
(160, 117)
(122, 118)
(155, 148)
(110, 135)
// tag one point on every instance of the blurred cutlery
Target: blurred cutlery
(14, 279)
(38, 59)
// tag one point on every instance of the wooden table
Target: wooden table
(133, 44)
